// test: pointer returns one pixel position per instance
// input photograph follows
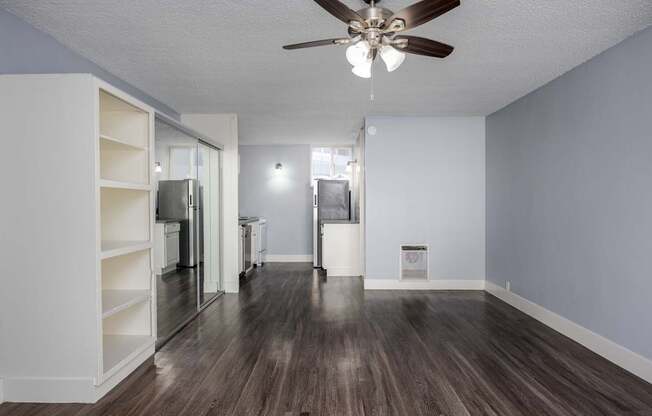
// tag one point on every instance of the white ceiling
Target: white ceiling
(225, 56)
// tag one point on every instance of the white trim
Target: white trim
(617, 354)
(343, 272)
(392, 284)
(67, 389)
(113, 380)
(49, 390)
(231, 286)
(288, 258)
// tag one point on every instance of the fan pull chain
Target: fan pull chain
(371, 94)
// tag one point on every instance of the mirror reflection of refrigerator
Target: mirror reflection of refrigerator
(179, 200)
(331, 201)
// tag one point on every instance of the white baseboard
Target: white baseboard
(49, 390)
(232, 286)
(342, 272)
(114, 380)
(67, 389)
(617, 354)
(391, 284)
(288, 258)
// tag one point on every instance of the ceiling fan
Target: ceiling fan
(376, 31)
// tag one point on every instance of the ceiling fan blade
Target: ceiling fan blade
(422, 46)
(422, 12)
(340, 10)
(325, 42)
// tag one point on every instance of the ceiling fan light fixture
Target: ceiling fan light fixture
(363, 70)
(358, 53)
(392, 57)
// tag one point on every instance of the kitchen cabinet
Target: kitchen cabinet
(166, 246)
(341, 249)
(172, 248)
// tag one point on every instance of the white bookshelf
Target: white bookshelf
(119, 350)
(114, 301)
(126, 230)
(124, 141)
(86, 213)
(112, 249)
(114, 143)
(124, 121)
(124, 185)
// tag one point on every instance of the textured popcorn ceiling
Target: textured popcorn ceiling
(225, 56)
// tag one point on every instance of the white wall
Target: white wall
(425, 184)
(223, 128)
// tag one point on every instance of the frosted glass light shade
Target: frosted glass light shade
(363, 70)
(358, 53)
(392, 57)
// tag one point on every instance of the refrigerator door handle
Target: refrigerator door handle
(190, 200)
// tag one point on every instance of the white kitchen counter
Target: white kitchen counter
(341, 249)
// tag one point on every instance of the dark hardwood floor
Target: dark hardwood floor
(295, 343)
(176, 298)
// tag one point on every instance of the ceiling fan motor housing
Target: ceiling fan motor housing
(375, 14)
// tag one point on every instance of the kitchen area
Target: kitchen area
(310, 200)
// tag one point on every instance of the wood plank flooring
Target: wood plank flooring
(295, 343)
(176, 298)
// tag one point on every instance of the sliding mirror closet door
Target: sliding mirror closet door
(177, 233)
(209, 199)
(187, 232)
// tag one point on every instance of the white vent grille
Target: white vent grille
(414, 262)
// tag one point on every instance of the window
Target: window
(331, 162)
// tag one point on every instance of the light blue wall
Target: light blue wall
(26, 50)
(284, 198)
(425, 184)
(569, 195)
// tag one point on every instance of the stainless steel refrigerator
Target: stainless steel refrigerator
(331, 201)
(179, 200)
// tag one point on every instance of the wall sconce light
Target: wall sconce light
(157, 167)
(278, 166)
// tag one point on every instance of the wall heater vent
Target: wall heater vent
(414, 262)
